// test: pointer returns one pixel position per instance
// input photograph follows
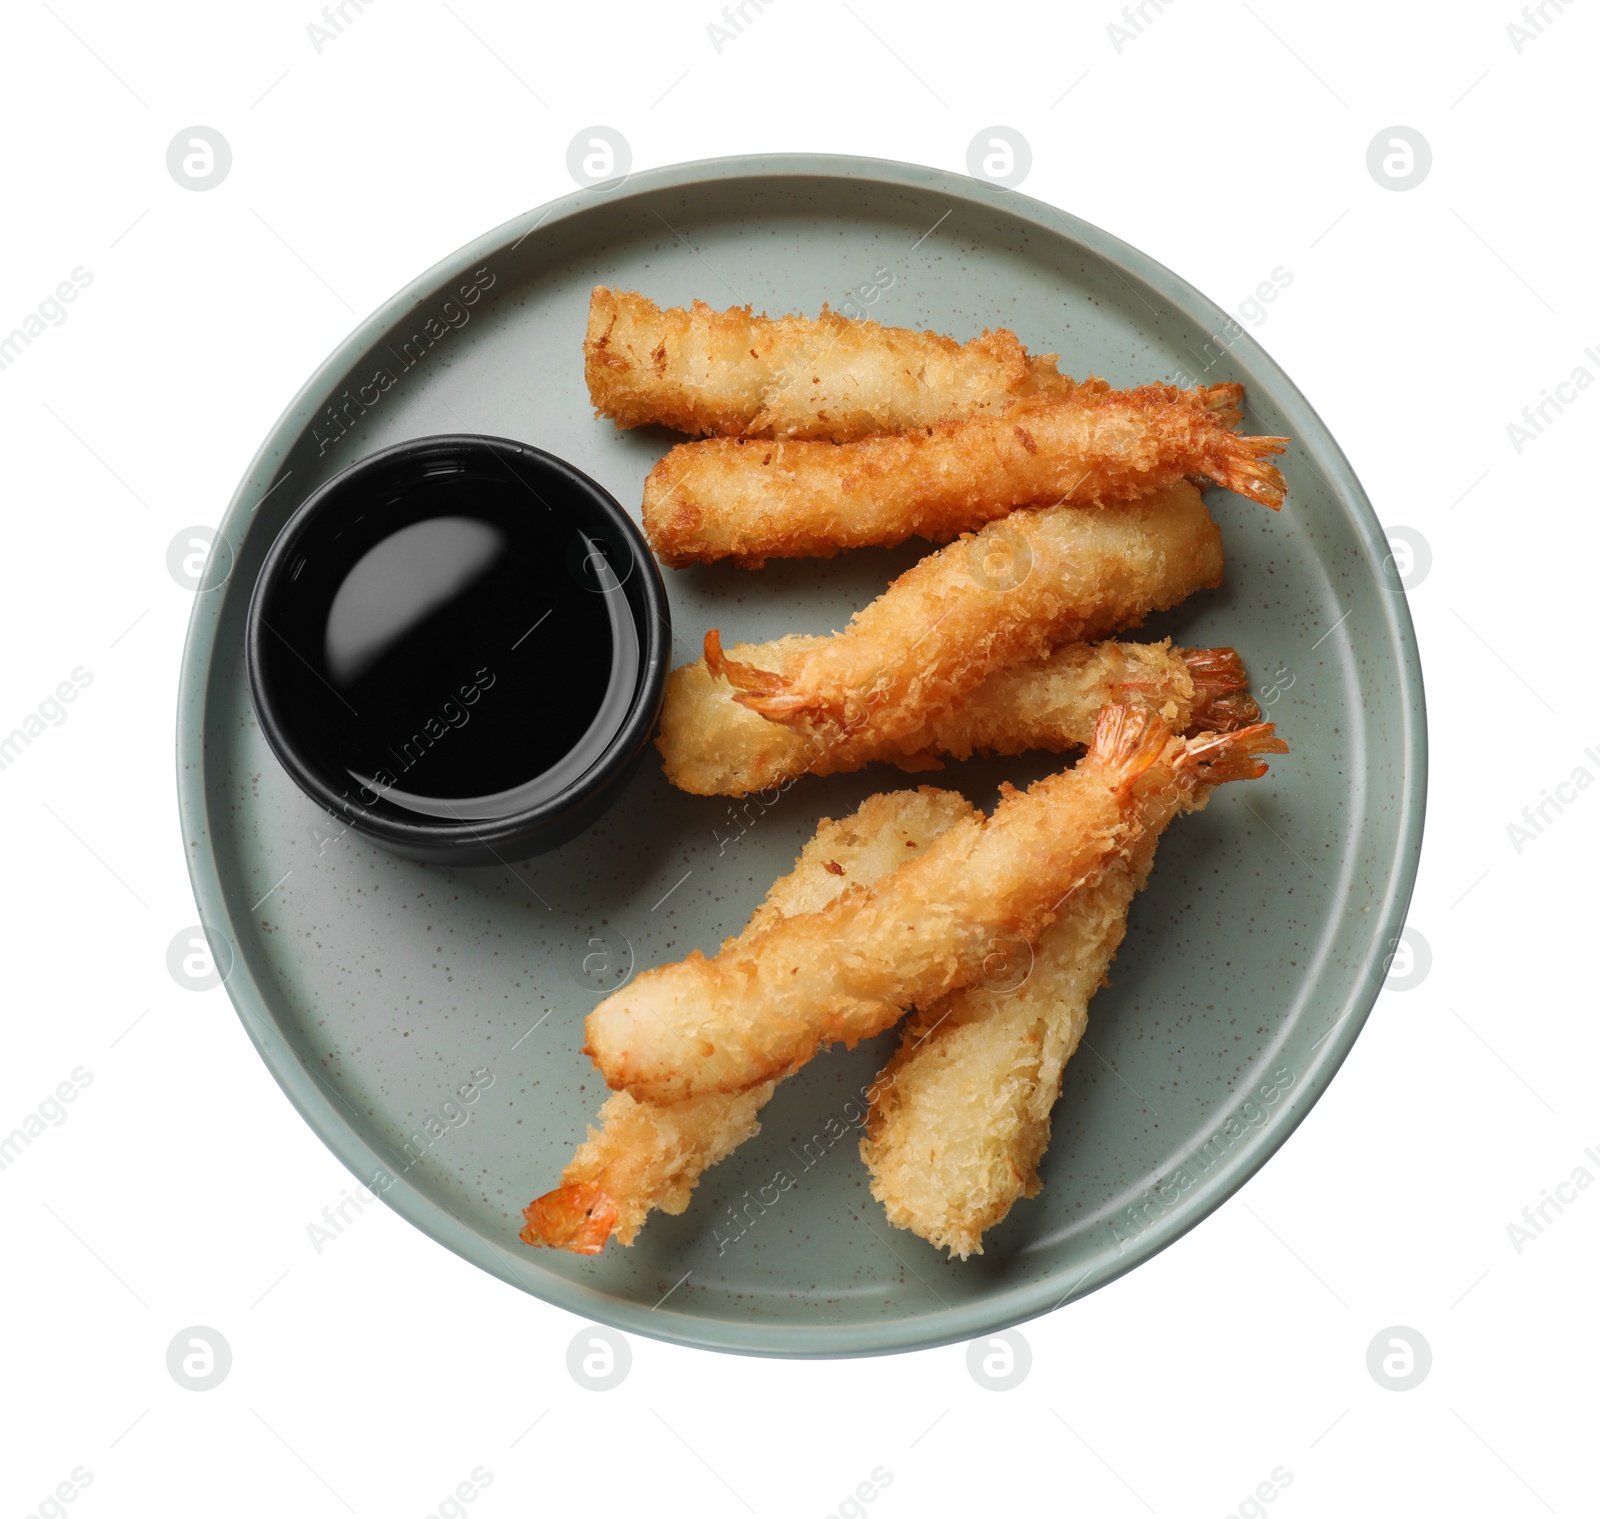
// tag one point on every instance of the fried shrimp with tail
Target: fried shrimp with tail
(1004, 596)
(762, 1008)
(738, 375)
(713, 746)
(962, 1113)
(644, 1157)
(749, 501)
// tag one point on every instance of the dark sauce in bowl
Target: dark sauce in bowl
(450, 640)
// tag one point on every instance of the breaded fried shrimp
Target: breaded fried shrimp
(961, 1117)
(761, 1009)
(714, 746)
(734, 374)
(644, 1157)
(751, 501)
(1005, 596)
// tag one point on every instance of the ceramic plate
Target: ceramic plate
(377, 989)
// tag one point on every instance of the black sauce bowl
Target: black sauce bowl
(393, 603)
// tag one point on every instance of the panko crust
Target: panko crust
(961, 1115)
(735, 374)
(712, 745)
(724, 498)
(643, 1157)
(765, 1006)
(999, 598)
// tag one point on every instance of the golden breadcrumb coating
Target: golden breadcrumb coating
(762, 1008)
(714, 746)
(1005, 596)
(734, 374)
(961, 1116)
(729, 499)
(644, 1157)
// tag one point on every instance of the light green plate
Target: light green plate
(376, 989)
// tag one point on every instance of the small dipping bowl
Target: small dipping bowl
(459, 647)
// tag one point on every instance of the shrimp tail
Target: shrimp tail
(578, 1218)
(1127, 741)
(1222, 700)
(1226, 713)
(1225, 400)
(743, 677)
(1241, 464)
(763, 691)
(1214, 758)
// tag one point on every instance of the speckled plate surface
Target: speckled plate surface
(377, 990)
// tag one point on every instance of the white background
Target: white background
(1225, 140)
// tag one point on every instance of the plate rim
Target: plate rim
(992, 1313)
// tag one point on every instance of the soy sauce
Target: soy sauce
(459, 649)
